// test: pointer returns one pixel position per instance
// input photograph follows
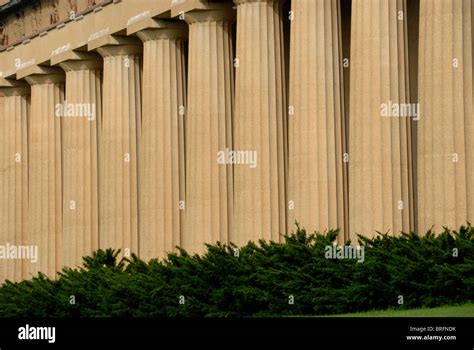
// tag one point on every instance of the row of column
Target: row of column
(145, 174)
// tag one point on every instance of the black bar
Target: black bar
(387, 332)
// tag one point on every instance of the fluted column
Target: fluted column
(44, 174)
(161, 158)
(380, 194)
(446, 128)
(80, 114)
(14, 109)
(260, 122)
(317, 171)
(208, 213)
(118, 134)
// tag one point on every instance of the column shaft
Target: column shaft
(80, 115)
(380, 195)
(260, 123)
(14, 108)
(316, 125)
(118, 138)
(45, 175)
(446, 128)
(161, 158)
(208, 215)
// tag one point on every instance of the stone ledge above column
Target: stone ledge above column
(10, 87)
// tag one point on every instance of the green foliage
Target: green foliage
(258, 281)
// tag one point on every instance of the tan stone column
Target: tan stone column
(118, 133)
(381, 195)
(446, 128)
(317, 171)
(208, 213)
(14, 109)
(44, 174)
(161, 158)
(260, 122)
(80, 114)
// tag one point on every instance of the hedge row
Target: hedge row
(264, 279)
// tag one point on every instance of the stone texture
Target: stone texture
(79, 158)
(446, 127)
(118, 139)
(380, 162)
(14, 110)
(208, 213)
(161, 158)
(317, 185)
(129, 172)
(45, 173)
(260, 122)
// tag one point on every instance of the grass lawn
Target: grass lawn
(466, 310)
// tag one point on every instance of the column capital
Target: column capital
(22, 89)
(121, 46)
(160, 29)
(180, 7)
(76, 60)
(45, 75)
(113, 45)
(69, 66)
(152, 23)
(239, 2)
(107, 51)
(193, 11)
(45, 79)
(219, 15)
(12, 87)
